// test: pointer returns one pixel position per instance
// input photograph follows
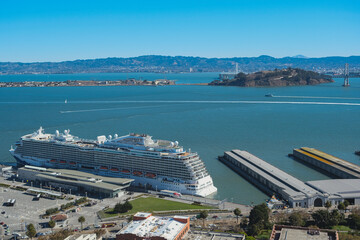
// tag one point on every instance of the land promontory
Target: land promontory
(276, 78)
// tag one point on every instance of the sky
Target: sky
(54, 30)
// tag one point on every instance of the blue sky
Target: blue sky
(67, 30)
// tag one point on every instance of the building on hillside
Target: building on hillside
(146, 226)
(83, 237)
(283, 232)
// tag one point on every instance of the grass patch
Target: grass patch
(264, 234)
(151, 204)
(341, 228)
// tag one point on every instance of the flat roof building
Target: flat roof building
(76, 181)
(146, 226)
(281, 232)
(83, 237)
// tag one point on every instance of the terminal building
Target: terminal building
(146, 226)
(75, 181)
(297, 193)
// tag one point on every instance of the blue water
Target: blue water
(209, 120)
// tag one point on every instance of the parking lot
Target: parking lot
(25, 210)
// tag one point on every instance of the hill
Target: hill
(276, 78)
(155, 63)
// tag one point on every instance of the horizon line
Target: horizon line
(299, 56)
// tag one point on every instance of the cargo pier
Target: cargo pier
(297, 193)
(330, 164)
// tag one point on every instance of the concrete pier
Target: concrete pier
(297, 193)
(332, 165)
(270, 179)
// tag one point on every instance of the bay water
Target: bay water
(207, 119)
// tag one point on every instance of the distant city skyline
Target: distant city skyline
(55, 31)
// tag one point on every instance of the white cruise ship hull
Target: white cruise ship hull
(205, 184)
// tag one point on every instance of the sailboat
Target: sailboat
(65, 100)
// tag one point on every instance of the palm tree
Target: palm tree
(203, 215)
(237, 212)
(81, 220)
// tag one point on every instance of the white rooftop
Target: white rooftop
(165, 227)
(345, 188)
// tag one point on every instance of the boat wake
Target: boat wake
(316, 97)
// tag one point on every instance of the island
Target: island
(83, 83)
(275, 78)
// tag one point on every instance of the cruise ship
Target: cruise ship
(154, 164)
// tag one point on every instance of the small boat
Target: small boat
(137, 173)
(357, 153)
(114, 169)
(65, 100)
(125, 171)
(52, 160)
(62, 161)
(269, 95)
(103, 168)
(150, 175)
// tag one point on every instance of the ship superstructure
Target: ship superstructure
(153, 164)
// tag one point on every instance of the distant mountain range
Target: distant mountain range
(156, 63)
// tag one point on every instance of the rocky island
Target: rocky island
(276, 78)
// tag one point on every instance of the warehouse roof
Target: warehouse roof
(345, 188)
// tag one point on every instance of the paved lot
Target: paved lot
(25, 210)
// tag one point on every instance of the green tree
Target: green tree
(203, 215)
(336, 217)
(296, 219)
(128, 206)
(341, 206)
(328, 205)
(322, 218)
(51, 224)
(346, 204)
(118, 208)
(81, 220)
(237, 213)
(31, 231)
(354, 221)
(258, 219)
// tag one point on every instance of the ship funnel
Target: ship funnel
(176, 143)
(110, 137)
(116, 136)
(57, 133)
(65, 132)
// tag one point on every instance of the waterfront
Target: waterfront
(209, 120)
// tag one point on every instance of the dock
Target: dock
(332, 165)
(296, 193)
(270, 179)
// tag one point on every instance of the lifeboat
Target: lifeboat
(150, 175)
(72, 163)
(62, 161)
(125, 171)
(52, 160)
(137, 173)
(103, 168)
(114, 169)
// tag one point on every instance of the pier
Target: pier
(334, 166)
(296, 193)
(272, 180)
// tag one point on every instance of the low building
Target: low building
(146, 226)
(59, 218)
(83, 237)
(281, 232)
(75, 181)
